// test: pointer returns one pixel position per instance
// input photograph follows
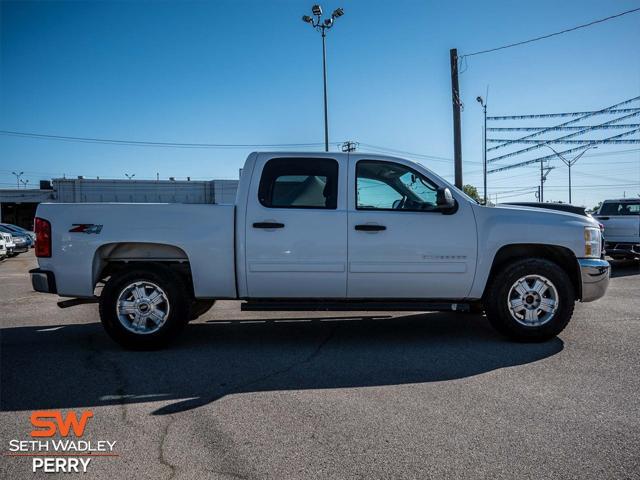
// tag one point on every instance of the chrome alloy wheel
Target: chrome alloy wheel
(532, 300)
(143, 307)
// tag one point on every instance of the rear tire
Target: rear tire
(530, 300)
(144, 308)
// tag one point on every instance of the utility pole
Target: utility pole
(484, 146)
(349, 146)
(322, 26)
(570, 163)
(455, 100)
(544, 171)
(541, 191)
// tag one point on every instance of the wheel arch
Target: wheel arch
(560, 255)
(114, 257)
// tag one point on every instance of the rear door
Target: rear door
(399, 245)
(296, 228)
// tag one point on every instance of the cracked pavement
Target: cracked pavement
(253, 395)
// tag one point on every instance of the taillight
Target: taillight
(43, 237)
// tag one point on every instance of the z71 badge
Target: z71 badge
(86, 228)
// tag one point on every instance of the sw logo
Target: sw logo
(52, 421)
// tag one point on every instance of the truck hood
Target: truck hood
(537, 214)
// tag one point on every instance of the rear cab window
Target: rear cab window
(299, 183)
(620, 208)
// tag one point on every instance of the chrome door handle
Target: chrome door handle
(268, 225)
(370, 228)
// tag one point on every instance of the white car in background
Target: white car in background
(3, 248)
(9, 244)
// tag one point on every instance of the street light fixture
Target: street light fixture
(570, 163)
(322, 26)
(18, 175)
(484, 147)
(129, 177)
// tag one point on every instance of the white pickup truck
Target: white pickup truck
(321, 231)
(621, 220)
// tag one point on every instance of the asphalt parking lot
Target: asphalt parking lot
(269, 395)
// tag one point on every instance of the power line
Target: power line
(404, 152)
(573, 127)
(585, 25)
(146, 143)
(576, 120)
(567, 114)
(547, 157)
(574, 142)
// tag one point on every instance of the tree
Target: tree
(471, 191)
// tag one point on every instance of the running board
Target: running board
(76, 301)
(352, 306)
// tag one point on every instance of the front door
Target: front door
(296, 229)
(400, 245)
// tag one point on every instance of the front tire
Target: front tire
(144, 308)
(530, 300)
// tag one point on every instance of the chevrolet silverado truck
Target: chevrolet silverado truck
(621, 220)
(320, 231)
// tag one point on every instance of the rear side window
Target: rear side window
(299, 183)
(620, 208)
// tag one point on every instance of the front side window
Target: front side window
(299, 183)
(391, 186)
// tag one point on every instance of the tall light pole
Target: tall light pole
(18, 175)
(129, 177)
(322, 26)
(570, 163)
(484, 147)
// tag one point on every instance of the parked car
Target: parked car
(8, 243)
(621, 219)
(17, 229)
(3, 248)
(330, 231)
(22, 241)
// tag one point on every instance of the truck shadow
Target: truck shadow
(73, 366)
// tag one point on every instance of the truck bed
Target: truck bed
(202, 234)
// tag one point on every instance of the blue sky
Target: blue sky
(250, 72)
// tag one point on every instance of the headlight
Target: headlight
(592, 242)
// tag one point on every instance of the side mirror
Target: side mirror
(445, 201)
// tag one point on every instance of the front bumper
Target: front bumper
(594, 277)
(43, 281)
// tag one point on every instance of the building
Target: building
(18, 206)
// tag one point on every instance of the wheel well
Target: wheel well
(115, 257)
(560, 255)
